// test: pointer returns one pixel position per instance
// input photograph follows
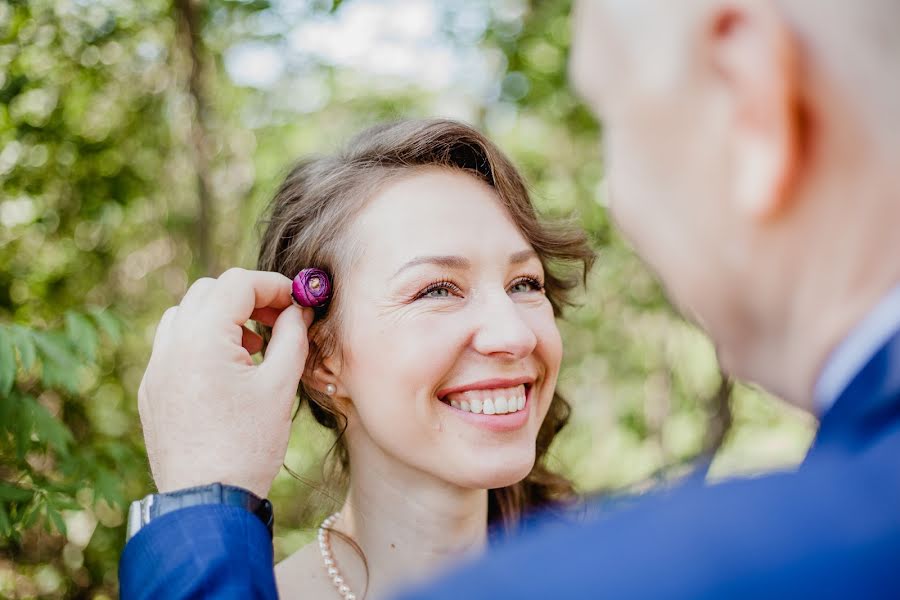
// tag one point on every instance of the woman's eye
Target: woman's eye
(441, 289)
(441, 292)
(526, 285)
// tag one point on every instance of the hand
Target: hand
(209, 414)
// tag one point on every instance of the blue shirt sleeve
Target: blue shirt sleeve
(210, 551)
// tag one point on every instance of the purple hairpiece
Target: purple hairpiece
(311, 287)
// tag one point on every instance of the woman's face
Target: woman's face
(450, 351)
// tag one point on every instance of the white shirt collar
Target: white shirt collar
(856, 350)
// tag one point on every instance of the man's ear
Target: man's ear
(754, 54)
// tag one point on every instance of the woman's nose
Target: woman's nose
(502, 329)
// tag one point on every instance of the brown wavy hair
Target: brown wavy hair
(306, 224)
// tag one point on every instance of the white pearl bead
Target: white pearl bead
(328, 558)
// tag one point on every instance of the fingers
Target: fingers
(288, 347)
(238, 292)
(251, 341)
(198, 293)
(265, 315)
(165, 324)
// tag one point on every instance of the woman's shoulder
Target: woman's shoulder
(302, 575)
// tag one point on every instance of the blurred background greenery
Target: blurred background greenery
(139, 140)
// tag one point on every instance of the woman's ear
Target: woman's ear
(325, 377)
(754, 54)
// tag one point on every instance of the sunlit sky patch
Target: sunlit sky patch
(399, 42)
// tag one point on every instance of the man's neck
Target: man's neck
(850, 267)
(407, 523)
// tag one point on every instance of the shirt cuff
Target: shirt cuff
(201, 551)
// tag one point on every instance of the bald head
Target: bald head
(752, 159)
(857, 44)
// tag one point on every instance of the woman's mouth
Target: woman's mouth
(497, 405)
(494, 401)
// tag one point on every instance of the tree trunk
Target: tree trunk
(189, 37)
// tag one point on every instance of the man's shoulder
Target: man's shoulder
(829, 529)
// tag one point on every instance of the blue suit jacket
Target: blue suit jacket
(831, 529)
(212, 551)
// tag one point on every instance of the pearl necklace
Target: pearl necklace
(328, 558)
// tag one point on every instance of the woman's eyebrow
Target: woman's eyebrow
(523, 256)
(450, 262)
(459, 262)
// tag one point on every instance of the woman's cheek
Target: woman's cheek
(549, 339)
(549, 352)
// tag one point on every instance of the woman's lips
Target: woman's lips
(479, 407)
(486, 385)
(497, 401)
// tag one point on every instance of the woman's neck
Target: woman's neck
(408, 524)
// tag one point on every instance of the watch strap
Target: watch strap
(155, 505)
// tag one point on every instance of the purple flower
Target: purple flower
(311, 287)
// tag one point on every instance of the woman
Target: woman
(437, 358)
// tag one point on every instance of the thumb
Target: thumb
(286, 353)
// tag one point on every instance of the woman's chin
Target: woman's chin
(502, 474)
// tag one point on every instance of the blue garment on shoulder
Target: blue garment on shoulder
(831, 529)
(211, 551)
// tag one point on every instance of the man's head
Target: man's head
(748, 148)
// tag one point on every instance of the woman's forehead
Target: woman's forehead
(437, 212)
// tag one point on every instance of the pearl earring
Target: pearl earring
(330, 389)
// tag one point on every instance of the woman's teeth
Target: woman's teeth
(490, 402)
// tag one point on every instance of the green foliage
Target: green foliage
(45, 464)
(53, 463)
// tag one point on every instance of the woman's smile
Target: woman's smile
(496, 404)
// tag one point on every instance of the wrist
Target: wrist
(154, 506)
(177, 482)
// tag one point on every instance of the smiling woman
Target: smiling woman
(438, 355)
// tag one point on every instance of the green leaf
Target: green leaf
(55, 518)
(5, 525)
(63, 502)
(18, 414)
(49, 429)
(13, 493)
(31, 514)
(108, 323)
(7, 361)
(60, 368)
(109, 488)
(46, 427)
(82, 334)
(54, 347)
(8, 412)
(25, 346)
